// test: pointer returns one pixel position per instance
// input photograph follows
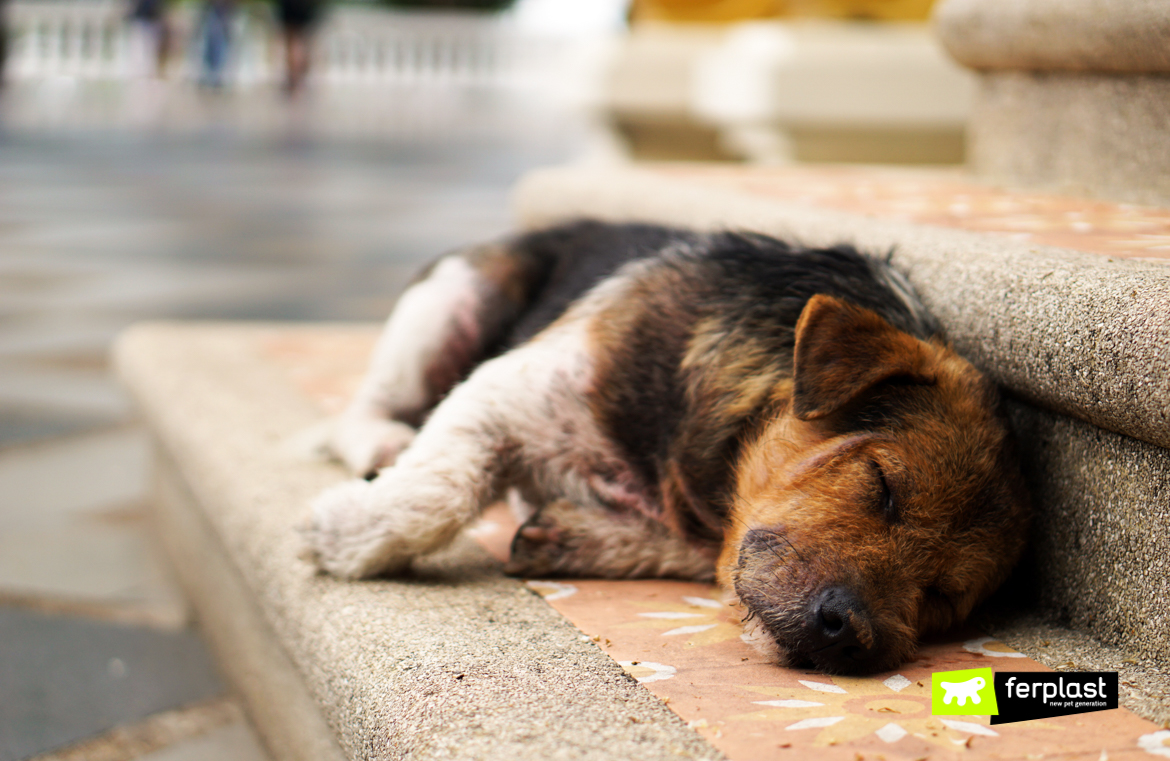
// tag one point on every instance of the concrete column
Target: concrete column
(1074, 94)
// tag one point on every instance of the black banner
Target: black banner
(1025, 695)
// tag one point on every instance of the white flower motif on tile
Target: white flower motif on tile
(703, 602)
(708, 620)
(981, 646)
(823, 721)
(556, 590)
(851, 708)
(891, 733)
(648, 671)
(670, 614)
(787, 703)
(688, 630)
(970, 728)
(1156, 743)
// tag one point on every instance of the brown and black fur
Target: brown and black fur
(788, 415)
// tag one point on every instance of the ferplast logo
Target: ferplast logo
(1011, 696)
(1027, 695)
(970, 692)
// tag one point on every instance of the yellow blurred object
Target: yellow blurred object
(878, 10)
(706, 11)
(719, 11)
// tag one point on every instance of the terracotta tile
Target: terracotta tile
(950, 199)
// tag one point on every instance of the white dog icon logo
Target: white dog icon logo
(963, 690)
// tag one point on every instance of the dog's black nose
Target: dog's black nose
(840, 634)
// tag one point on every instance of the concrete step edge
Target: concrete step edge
(425, 668)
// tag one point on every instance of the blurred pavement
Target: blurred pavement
(127, 202)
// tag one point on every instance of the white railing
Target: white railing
(363, 44)
(79, 39)
(91, 39)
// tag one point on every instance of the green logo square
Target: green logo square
(970, 692)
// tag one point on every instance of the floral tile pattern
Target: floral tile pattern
(947, 198)
(682, 642)
(672, 638)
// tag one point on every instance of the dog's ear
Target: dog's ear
(843, 350)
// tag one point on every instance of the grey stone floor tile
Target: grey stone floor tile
(54, 333)
(23, 425)
(127, 742)
(65, 480)
(84, 561)
(66, 679)
(90, 394)
(235, 742)
(94, 234)
(149, 288)
(73, 527)
(240, 208)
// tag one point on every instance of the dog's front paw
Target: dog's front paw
(546, 544)
(536, 551)
(349, 539)
(367, 444)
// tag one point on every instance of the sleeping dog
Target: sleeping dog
(658, 402)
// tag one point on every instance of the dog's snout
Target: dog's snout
(839, 630)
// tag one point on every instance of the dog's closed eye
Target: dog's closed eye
(885, 504)
(764, 539)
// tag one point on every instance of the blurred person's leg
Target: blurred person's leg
(298, 21)
(216, 43)
(3, 39)
(164, 38)
(297, 52)
(149, 39)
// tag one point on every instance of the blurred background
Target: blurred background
(298, 161)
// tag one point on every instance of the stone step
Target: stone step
(1065, 302)
(458, 661)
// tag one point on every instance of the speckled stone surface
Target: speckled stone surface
(1065, 331)
(1074, 94)
(1077, 35)
(424, 668)
(1100, 134)
(1100, 553)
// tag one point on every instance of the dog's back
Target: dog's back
(566, 261)
(687, 361)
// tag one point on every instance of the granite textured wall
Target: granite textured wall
(1100, 553)
(1082, 133)
(1131, 36)
(1075, 94)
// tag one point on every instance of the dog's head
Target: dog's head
(882, 503)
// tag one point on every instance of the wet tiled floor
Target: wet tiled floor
(106, 222)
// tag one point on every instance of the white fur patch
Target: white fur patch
(523, 415)
(424, 318)
(525, 407)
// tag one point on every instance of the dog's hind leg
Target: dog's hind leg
(486, 430)
(566, 539)
(453, 315)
